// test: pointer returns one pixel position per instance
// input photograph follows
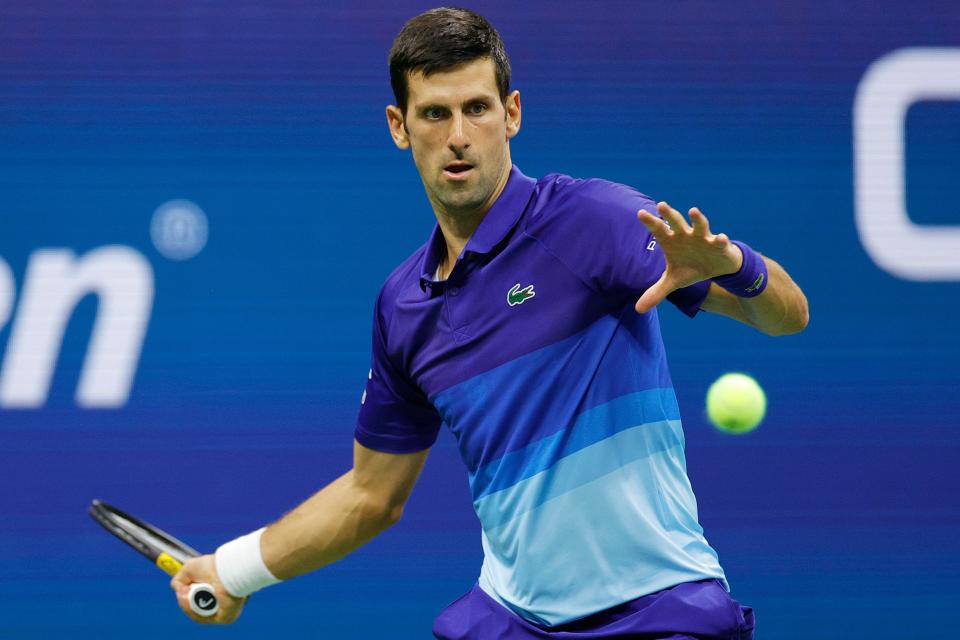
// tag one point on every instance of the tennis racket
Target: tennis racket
(161, 548)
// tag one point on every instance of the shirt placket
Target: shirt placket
(455, 300)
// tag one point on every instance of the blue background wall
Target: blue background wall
(838, 518)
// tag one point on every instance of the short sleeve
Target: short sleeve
(592, 226)
(395, 415)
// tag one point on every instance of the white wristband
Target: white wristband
(240, 565)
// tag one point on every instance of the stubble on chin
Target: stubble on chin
(458, 208)
(459, 200)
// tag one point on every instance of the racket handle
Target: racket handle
(203, 600)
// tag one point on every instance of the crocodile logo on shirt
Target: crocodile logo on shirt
(516, 295)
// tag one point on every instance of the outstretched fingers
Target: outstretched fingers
(701, 226)
(654, 295)
(673, 217)
(654, 224)
(689, 249)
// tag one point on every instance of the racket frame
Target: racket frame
(169, 555)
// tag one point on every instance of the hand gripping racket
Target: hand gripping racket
(161, 548)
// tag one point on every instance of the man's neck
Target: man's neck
(459, 228)
(457, 231)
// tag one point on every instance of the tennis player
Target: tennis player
(526, 324)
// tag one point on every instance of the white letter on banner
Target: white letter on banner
(56, 280)
(891, 84)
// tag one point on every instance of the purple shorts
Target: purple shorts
(692, 610)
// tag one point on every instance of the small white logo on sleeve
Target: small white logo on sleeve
(363, 398)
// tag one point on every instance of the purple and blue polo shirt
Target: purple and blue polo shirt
(557, 393)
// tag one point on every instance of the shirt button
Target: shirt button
(454, 291)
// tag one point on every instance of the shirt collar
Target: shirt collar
(436, 249)
(494, 227)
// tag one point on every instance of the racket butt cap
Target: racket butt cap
(203, 600)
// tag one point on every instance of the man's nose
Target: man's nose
(458, 140)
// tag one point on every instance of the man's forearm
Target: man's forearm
(326, 527)
(780, 310)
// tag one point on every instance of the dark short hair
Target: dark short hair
(443, 39)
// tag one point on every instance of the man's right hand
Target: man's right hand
(204, 569)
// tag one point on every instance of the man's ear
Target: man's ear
(512, 107)
(397, 131)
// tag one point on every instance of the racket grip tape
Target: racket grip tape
(203, 600)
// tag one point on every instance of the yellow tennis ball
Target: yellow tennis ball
(736, 403)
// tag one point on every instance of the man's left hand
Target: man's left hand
(692, 253)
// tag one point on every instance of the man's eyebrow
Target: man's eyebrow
(482, 97)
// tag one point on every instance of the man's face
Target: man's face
(457, 128)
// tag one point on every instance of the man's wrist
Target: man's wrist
(240, 565)
(751, 279)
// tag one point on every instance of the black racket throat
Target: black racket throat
(141, 536)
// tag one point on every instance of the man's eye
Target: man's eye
(477, 108)
(432, 113)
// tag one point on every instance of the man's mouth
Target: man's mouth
(457, 170)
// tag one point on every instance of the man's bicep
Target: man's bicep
(389, 476)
